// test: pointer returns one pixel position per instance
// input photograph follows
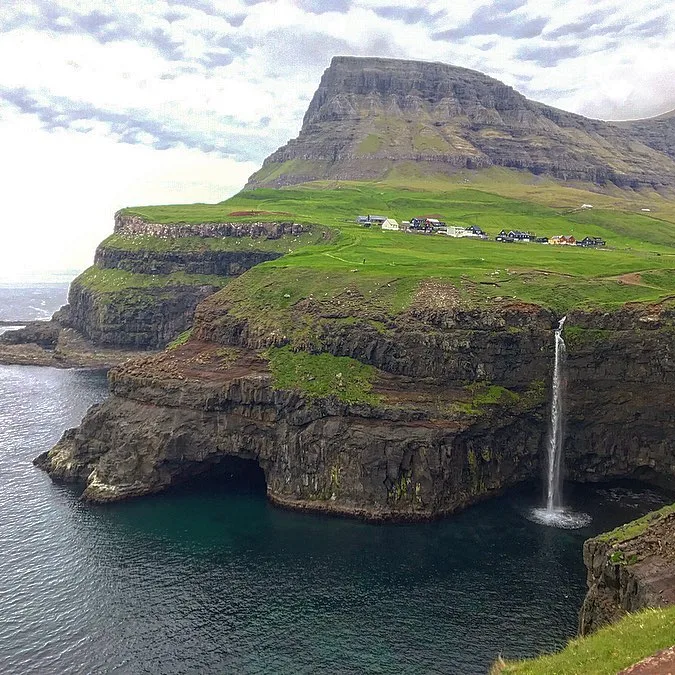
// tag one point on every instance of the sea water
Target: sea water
(213, 579)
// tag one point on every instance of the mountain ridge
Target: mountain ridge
(370, 115)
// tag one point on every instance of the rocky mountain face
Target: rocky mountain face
(429, 447)
(657, 133)
(372, 115)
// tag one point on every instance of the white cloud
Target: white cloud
(61, 189)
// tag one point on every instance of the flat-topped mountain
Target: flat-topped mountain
(372, 115)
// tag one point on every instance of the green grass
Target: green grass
(635, 527)
(114, 280)
(322, 375)
(180, 340)
(607, 651)
(556, 277)
(284, 244)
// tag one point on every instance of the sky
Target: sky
(111, 103)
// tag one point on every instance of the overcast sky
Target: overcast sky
(108, 103)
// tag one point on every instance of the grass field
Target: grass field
(607, 651)
(639, 265)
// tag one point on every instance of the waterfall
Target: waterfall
(554, 514)
(556, 429)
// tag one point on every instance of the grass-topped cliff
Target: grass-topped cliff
(387, 268)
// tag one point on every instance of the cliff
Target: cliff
(145, 283)
(451, 408)
(629, 569)
(371, 116)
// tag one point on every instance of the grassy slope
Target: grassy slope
(561, 278)
(111, 280)
(606, 652)
(284, 244)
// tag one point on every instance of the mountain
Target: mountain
(657, 132)
(372, 115)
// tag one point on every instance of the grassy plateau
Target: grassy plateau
(637, 265)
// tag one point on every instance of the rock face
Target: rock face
(372, 115)
(155, 301)
(657, 133)
(132, 318)
(425, 450)
(630, 568)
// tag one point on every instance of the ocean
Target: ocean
(211, 578)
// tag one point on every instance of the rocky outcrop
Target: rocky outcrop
(154, 299)
(630, 568)
(132, 317)
(178, 415)
(371, 115)
(205, 262)
(431, 445)
(130, 225)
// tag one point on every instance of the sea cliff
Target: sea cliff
(453, 408)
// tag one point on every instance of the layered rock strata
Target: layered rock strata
(154, 301)
(372, 115)
(630, 568)
(427, 448)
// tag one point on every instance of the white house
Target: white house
(390, 224)
(587, 206)
(456, 231)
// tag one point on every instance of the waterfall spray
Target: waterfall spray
(556, 430)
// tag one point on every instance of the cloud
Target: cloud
(409, 15)
(596, 24)
(325, 6)
(228, 137)
(547, 56)
(501, 19)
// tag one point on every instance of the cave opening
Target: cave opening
(227, 473)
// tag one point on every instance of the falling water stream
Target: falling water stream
(554, 513)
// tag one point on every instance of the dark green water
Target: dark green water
(211, 579)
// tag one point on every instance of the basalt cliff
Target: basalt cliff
(143, 288)
(457, 410)
(373, 116)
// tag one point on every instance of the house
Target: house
(426, 224)
(475, 231)
(504, 237)
(390, 224)
(372, 220)
(646, 210)
(587, 206)
(562, 240)
(591, 242)
(515, 235)
(521, 236)
(541, 240)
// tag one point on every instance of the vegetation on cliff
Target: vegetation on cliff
(322, 375)
(113, 280)
(605, 652)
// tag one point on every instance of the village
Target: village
(428, 225)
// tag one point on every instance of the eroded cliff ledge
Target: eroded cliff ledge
(457, 409)
(630, 568)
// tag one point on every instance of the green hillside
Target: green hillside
(386, 267)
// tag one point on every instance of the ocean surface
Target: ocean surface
(31, 301)
(212, 579)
